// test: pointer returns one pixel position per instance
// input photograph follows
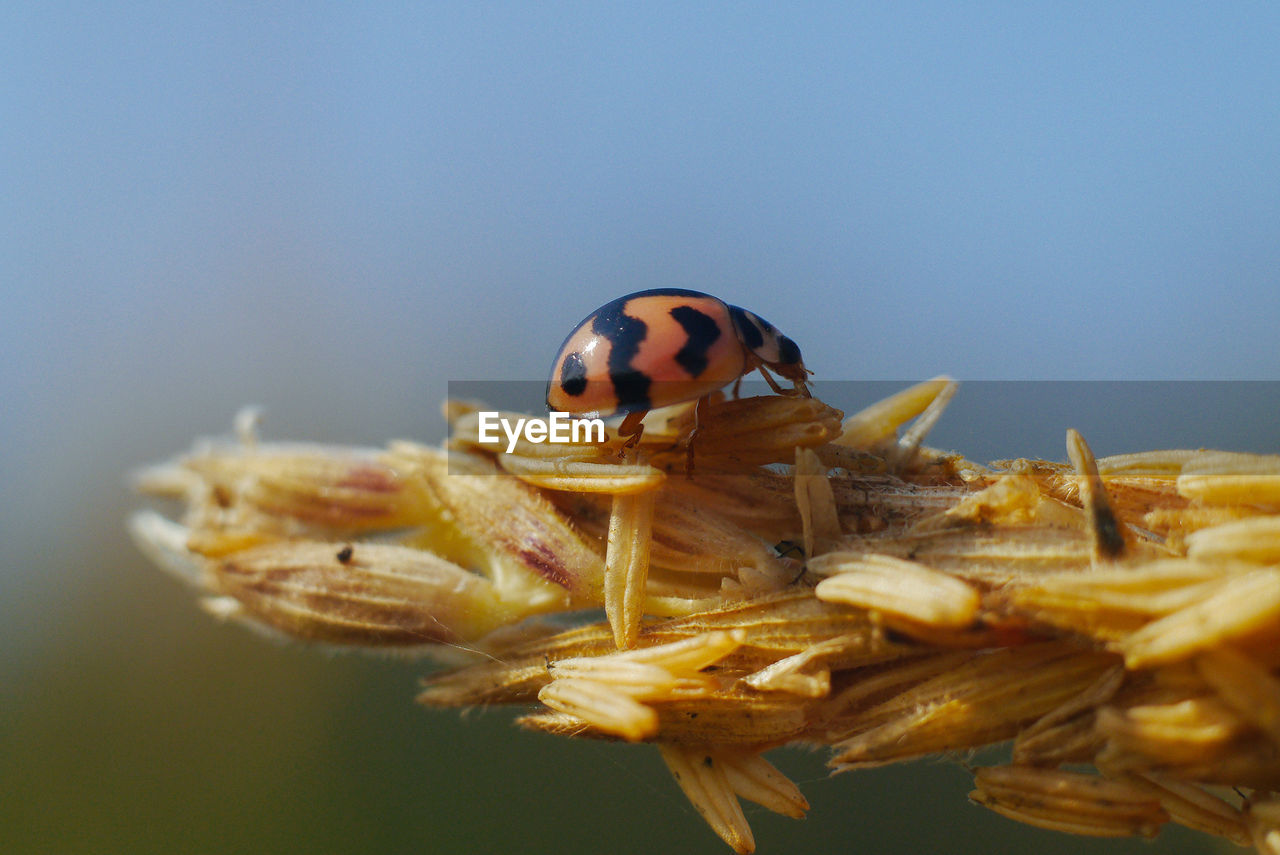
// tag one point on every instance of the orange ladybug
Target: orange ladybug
(665, 346)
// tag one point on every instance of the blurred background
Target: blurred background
(331, 210)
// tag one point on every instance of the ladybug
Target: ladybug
(665, 346)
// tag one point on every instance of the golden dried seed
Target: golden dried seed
(779, 625)
(1011, 499)
(1247, 762)
(805, 673)
(171, 480)
(165, 543)
(996, 557)
(888, 506)
(912, 437)
(691, 654)
(1157, 464)
(1241, 605)
(1064, 821)
(1194, 720)
(694, 537)
(1108, 535)
(655, 669)
(1247, 687)
(321, 486)
(984, 700)
(626, 567)
(1177, 524)
(755, 431)
(732, 718)
(1068, 728)
(1068, 801)
(1182, 732)
(1075, 740)
(377, 595)
(639, 679)
(707, 787)
(1122, 587)
(504, 516)
(898, 587)
(603, 707)
(224, 542)
(816, 503)
(1226, 478)
(756, 779)
(816, 683)
(518, 670)
(880, 421)
(1191, 806)
(1256, 540)
(1086, 793)
(1110, 604)
(583, 476)
(605, 692)
(873, 688)
(760, 500)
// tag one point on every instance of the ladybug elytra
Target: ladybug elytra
(665, 346)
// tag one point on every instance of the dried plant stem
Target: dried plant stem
(811, 580)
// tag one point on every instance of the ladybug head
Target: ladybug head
(768, 344)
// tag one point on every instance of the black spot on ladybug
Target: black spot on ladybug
(573, 375)
(631, 388)
(788, 351)
(701, 331)
(747, 331)
(624, 334)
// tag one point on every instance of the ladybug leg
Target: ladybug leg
(688, 443)
(798, 387)
(752, 363)
(773, 384)
(632, 427)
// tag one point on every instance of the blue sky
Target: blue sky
(333, 209)
(993, 190)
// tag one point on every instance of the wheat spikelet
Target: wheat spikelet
(797, 578)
